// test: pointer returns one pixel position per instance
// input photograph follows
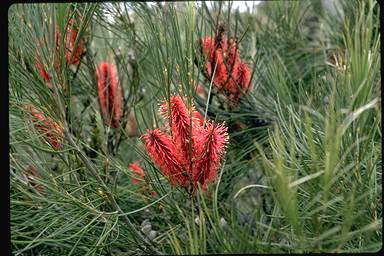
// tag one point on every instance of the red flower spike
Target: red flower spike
(70, 40)
(53, 131)
(199, 117)
(43, 73)
(110, 95)
(171, 154)
(211, 144)
(243, 78)
(231, 76)
(165, 155)
(137, 175)
(180, 126)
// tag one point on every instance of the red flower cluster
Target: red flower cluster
(193, 153)
(232, 75)
(53, 131)
(110, 94)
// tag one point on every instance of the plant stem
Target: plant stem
(112, 200)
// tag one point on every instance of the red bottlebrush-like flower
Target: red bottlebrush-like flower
(231, 74)
(110, 95)
(52, 131)
(165, 155)
(243, 78)
(70, 40)
(199, 117)
(171, 154)
(137, 175)
(43, 73)
(225, 59)
(181, 132)
(211, 144)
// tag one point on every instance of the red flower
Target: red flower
(244, 76)
(137, 175)
(70, 40)
(44, 74)
(171, 154)
(211, 144)
(181, 130)
(164, 154)
(110, 95)
(230, 73)
(53, 131)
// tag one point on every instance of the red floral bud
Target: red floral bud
(52, 131)
(243, 78)
(110, 95)
(231, 75)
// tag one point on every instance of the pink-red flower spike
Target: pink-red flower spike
(211, 144)
(110, 94)
(232, 77)
(165, 155)
(173, 155)
(53, 132)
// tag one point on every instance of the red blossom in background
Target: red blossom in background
(52, 131)
(70, 44)
(110, 95)
(43, 73)
(232, 76)
(137, 175)
(171, 154)
(181, 132)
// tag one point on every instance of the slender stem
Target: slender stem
(112, 200)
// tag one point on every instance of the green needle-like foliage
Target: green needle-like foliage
(302, 171)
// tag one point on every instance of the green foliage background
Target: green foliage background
(308, 180)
